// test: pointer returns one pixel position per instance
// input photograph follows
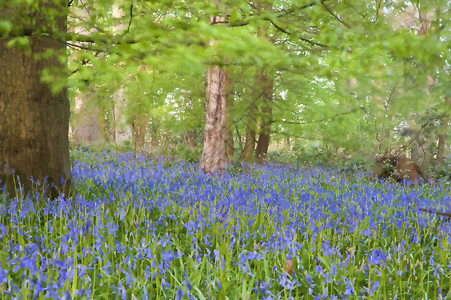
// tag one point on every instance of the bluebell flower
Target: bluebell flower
(349, 286)
(3, 275)
(179, 294)
(377, 257)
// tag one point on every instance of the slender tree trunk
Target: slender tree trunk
(229, 144)
(122, 129)
(287, 143)
(104, 122)
(34, 122)
(251, 126)
(213, 155)
(441, 146)
(139, 130)
(154, 133)
(267, 82)
(188, 139)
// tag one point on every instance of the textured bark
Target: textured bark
(251, 126)
(213, 155)
(34, 122)
(441, 146)
(267, 82)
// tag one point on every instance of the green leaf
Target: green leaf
(5, 28)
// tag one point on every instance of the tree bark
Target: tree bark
(139, 130)
(213, 155)
(229, 144)
(251, 126)
(267, 82)
(34, 121)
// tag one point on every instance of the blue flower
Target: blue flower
(3, 277)
(179, 294)
(377, 257)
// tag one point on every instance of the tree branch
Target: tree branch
(83, 47)
(334, 15)
(290, 11)
(289, 33)
(443, 214)
(131, 18)
(324, 119)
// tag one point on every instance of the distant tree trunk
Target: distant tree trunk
(154, 133)
(85, 125)
(104, 122)
(287, 143)
(187, 139)
(251, 126)
(229, 144)
(34, 122)
(213, 155)
(122, 128)
(441, 146)
(85, 120)
(139, 130)
(267, 82)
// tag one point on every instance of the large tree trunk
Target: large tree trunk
(34, 122)
(267, 82)
(213, 155)
(251, 126)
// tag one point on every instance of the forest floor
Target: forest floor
(145, 228)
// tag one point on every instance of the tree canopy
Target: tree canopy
(352, 75)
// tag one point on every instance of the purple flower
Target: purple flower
(179, 294)
(377, 257)
(3, 277)
(349, 286)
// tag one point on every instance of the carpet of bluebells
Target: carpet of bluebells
(143, 228)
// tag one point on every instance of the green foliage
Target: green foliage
(350, 76)
(5, 28)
